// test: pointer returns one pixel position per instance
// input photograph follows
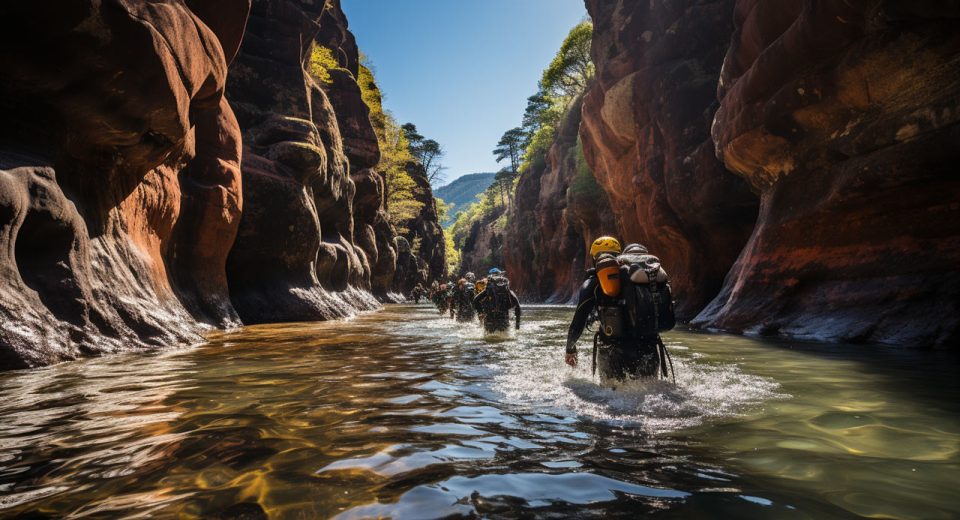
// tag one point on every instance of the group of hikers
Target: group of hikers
(489, 300)
(627, 292)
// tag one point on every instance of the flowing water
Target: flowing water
(405, 414)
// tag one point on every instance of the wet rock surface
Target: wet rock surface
(120, 178)
(296, 257)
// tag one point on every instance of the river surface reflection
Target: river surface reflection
(405, 414)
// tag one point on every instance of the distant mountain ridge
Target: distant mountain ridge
(461, 192)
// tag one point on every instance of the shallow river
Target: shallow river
(405, 414)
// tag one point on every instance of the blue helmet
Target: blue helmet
(495, 271)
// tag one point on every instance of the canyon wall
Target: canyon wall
(313, 238)
(145, 198)
(645, 133)
(120, 187)
(840, 117)
(844, 117)
(558, 212)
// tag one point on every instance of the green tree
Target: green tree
(511, 147)
(427, 152)
(321, 63)
(571, 70)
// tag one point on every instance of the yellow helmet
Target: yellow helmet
(604, 245)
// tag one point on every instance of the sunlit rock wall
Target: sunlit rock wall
(119, 175)
(843, 116)
(313, 239)
(646, 137)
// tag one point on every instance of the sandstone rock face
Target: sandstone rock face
(646, 137)
(559, 210)
(844, 116)
(313, 238)
(121, 190)
(119, 175)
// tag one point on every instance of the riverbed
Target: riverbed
(403, 413)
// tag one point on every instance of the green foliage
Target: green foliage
(427, 151)
(511, 147)
(571, 70)
(583, 185)
(321, 63)
(453, 254)
(371, 95)
(462, 192)
(443, 209)
(402, 204)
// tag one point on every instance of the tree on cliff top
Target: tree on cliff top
(427, 151)
(571, 70)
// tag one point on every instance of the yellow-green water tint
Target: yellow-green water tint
(406, 414)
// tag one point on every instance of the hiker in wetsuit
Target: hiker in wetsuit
(417, 293)
(439, 298)
(629, 294)
(496, 301)
(461, 307)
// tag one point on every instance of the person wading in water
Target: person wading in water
(495, 302)
(628, 293)
(461, 305)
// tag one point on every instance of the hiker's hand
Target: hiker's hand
(571, 359)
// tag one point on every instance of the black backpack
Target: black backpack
(499, 287)
(645, 289)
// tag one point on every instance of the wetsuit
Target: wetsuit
(462, 303)
(496, 314)
(619, 356)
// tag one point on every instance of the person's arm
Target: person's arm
(516, 308)
(478, 301)
(585, 304)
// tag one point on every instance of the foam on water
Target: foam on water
(533, 373)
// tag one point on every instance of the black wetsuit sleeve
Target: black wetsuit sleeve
(516, 308)
(478, 301)
(585, 303)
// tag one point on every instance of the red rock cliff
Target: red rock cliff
(126, 219)
(844, 117)
(646, 137)
(119, 175)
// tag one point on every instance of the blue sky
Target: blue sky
(461, 70)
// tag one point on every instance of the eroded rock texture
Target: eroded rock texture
(313, 238)
(119, 177)
(559, 210)
(120, 174)
(646, 137)
(843, 115)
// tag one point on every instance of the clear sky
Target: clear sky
(461, 70)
